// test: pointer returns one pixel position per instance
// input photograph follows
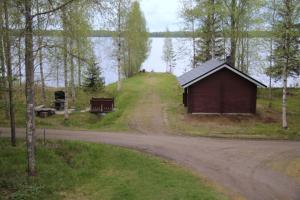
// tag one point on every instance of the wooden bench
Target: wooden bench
(102, 105)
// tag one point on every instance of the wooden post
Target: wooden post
(44, 136)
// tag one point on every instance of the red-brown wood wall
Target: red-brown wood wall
(222, 92)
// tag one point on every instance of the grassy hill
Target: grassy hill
(137, 90)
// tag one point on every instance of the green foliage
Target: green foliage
(74, 170)
(136, 41)
(210, 44)
(204, 19)
(92, 80)
(287, 50)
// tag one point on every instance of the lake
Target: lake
(183, 48)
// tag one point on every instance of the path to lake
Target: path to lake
(149, 116)
(241, 166)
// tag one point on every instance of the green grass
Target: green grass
(74, 170)
(265, 124)
(118, 120)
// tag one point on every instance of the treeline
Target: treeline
(25, 46)
(189, 34)
(173, 34)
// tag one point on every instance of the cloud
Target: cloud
(161, 14)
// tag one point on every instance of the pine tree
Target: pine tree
(206, 16)
(93, 80)
(210, 45)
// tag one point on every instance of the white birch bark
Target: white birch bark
(29, 66)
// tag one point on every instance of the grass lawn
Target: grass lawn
(265, 124)
(74, 170)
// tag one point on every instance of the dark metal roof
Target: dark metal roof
(209, 68)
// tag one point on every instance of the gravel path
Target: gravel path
(240, 166)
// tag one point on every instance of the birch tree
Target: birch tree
(168, 53)
(30, 102)
(7, 50)
(136, 40)
(271, 15)
(65, 61)
(2, 62)
(40, 52)
(188, 14)
(287, 52)
(29, 71)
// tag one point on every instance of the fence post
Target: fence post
(44, 136)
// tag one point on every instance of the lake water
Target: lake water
(103, 48)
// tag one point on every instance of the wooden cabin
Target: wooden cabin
(217, 88)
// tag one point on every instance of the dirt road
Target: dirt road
(242, 166)
(149, 116)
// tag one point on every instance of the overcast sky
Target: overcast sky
(161, 14)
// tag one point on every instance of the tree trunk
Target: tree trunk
(73, 93)
(3, 79)
(29, 65)
(57, 69)
(270, 75)
(119, 47)
(271, 54)
(79, 64)
(20, 60)
(65, 60)
(66, 78)
(284, 114)
(233, 40)
(9, 76)
(248, 54)
(213, 31)
(194, 42)
(40, 43)
(43, 90)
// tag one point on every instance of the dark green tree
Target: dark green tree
(210, 44)
(93, 80)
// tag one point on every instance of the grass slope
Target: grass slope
(73, 170)
(266, 123)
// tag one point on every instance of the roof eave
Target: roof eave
(226, 65)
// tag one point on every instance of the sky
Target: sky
(161, 14)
